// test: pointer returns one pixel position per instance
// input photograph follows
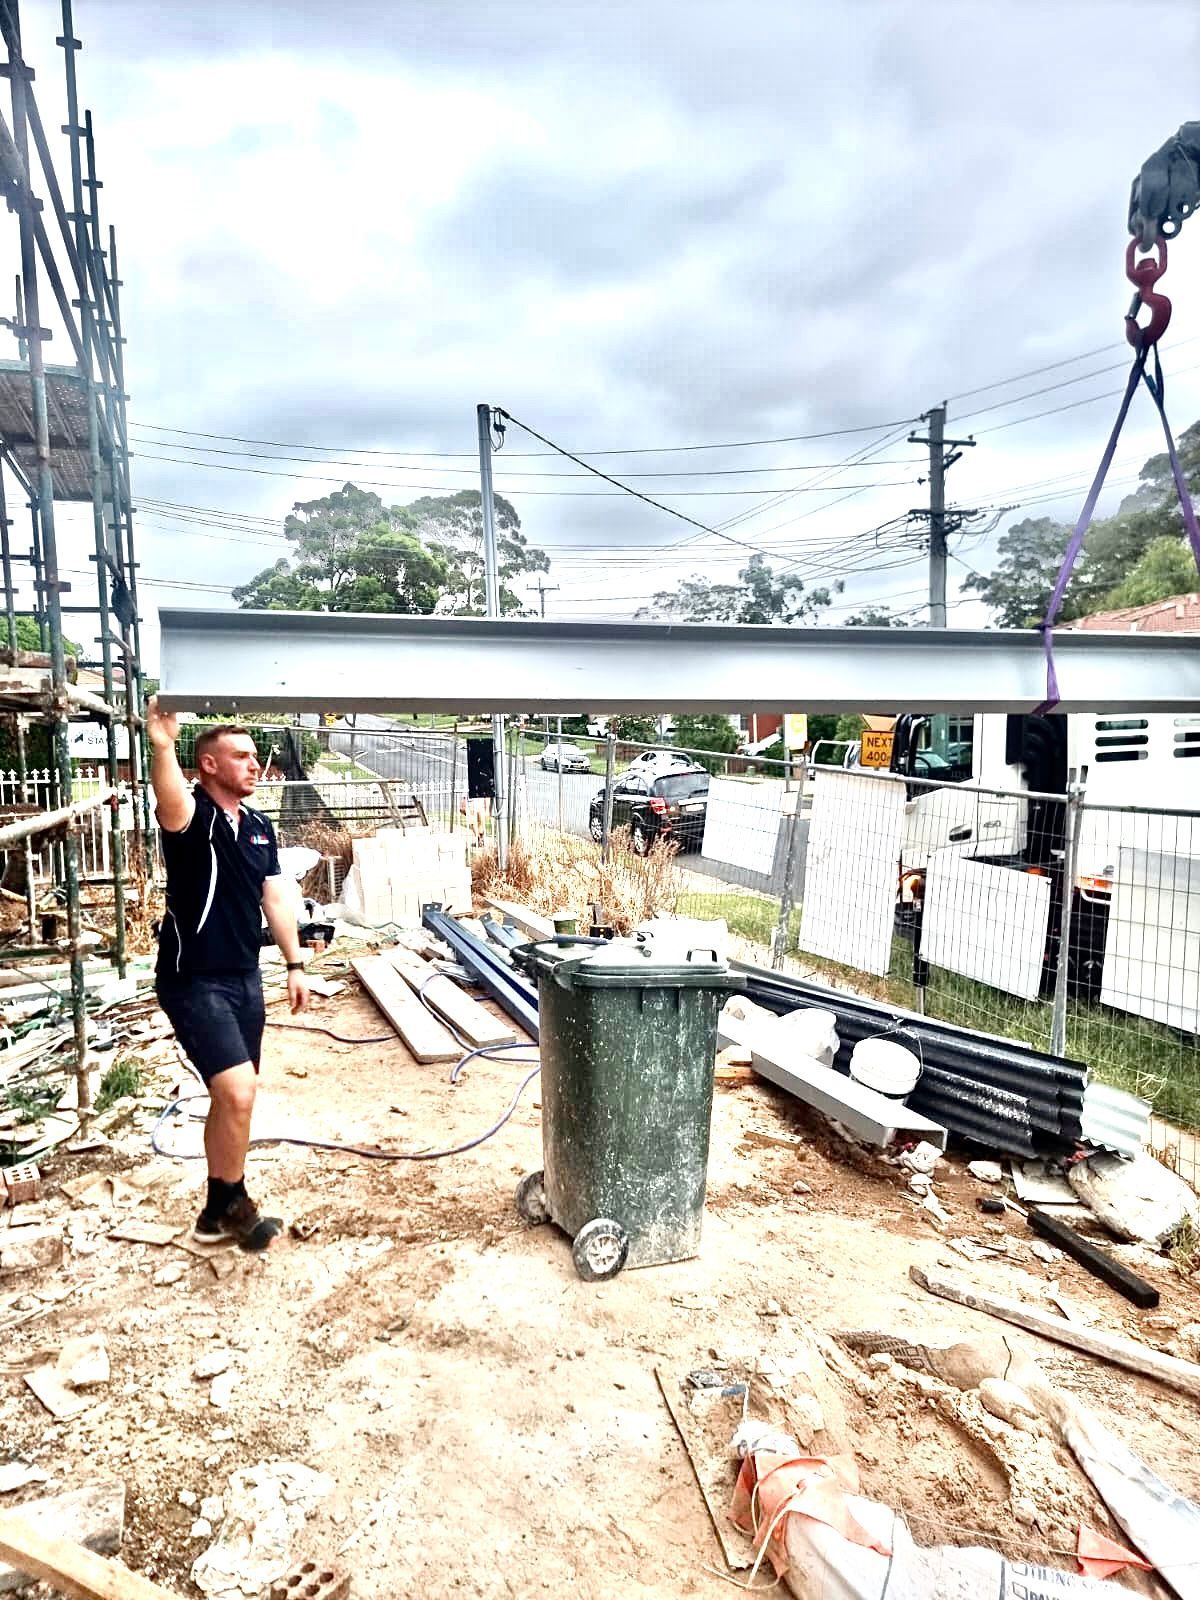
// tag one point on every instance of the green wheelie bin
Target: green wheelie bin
(628, 1047)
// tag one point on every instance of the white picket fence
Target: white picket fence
(40, 788)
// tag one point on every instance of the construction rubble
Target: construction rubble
(941, 1335)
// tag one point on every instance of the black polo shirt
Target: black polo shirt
(215, 876)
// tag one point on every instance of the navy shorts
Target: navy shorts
(218, 1018)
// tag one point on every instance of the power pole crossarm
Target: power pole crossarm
(943, 453)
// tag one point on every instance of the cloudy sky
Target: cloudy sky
(634, 226)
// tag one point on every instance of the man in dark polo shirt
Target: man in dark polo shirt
(222, 873)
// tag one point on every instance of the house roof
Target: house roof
(1179, 614)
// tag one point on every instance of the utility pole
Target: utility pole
(543, 590)
(940, 526)
(491, 579)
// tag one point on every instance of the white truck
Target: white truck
(1130, 760)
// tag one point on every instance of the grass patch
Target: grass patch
(123, 1078)
(1184, 1249)
(748, 916)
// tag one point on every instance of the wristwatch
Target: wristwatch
(295, 966)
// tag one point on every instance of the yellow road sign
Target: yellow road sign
(876, 748)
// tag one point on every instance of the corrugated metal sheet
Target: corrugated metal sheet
(985, 1116)
(1114, 1119)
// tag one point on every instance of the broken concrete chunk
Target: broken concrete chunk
(29, 1250)
(986, 1171)
(267, 1507)
(18, 1474)
(83, 1362)
(211, 1364)
(1139, 1200)
(221, 1393)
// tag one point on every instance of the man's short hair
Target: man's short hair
(206, 740)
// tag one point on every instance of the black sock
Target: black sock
(221, 1195)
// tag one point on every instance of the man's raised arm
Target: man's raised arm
(172, 795)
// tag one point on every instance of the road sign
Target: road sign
(88, 741)
(876, 748)
(795, 730)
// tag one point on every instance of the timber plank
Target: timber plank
(424, 1035)
(474, 1022)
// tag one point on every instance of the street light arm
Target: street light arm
(1167, 189)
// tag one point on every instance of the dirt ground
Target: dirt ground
(492, 1425)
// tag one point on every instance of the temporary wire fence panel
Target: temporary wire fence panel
(985, 922)
(852, 869)
(1152, 947)
(741, 825)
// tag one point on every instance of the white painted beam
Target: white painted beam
(244, 661)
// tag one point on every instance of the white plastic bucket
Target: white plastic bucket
(811, 1031)
(885, 1066)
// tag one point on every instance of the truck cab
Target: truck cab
(1127, 761)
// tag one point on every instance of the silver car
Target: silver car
(565, 758)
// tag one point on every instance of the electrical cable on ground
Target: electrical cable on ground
(334, 1146)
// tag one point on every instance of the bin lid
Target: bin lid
(622, 965)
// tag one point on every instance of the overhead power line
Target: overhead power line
(473, 472)
(444, 488)
(529, 455)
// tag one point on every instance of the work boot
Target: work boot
(241, 1221)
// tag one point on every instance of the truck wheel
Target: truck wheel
(600, 1250)
(640, 840)
(596, 829)
(531, 1198)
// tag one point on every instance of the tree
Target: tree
(760, 595)
(353, 553)
(1018, 590)
(1167, 567)
(874, 617)
(633, 730)
(709, 732)
(452, 527)
(1031, 552)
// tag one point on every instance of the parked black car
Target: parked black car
(670, 807)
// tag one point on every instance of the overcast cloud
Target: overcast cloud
(629, 224)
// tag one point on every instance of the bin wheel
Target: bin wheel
(600, 1250)
(531, 1198)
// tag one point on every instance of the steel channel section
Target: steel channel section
(501, 982)
(871, 1116)
(307, 661)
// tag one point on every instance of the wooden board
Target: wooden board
(474, 1022)
(424, 1035)
(530, 922)
(1182, 1376)
(46, 1538)
(713, 1491)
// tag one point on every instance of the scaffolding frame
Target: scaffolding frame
(63, 438)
